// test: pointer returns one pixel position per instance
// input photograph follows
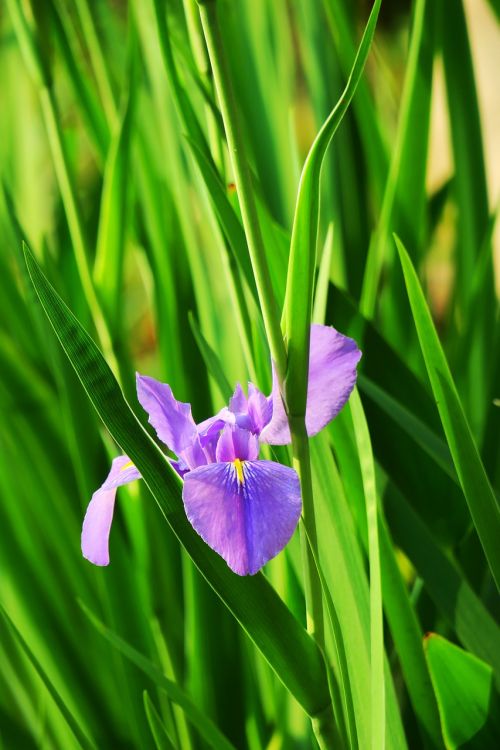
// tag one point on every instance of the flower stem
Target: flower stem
(243, 180)
(324, 725)
(302, 465)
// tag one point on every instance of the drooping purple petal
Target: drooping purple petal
(332, 375)
(236, 443)
(99, 515)
(171, 419)
(246, 511)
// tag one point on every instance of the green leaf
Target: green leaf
(302, 263)
(407, 638)
(404, 195)
(436, 497)
(226, 215)
(86, 742)
(465, 125)
(445, 584)
(483, 504)
(262, 614)
(344, 570)
(367, 465)
(211, 360)
(471, 195)
(113, 214)
(467, 699)
(205, 726)
(412, 425)
(161, 737)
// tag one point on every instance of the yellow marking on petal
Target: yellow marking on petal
(238, 465)
(127, 465)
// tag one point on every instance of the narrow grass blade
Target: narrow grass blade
(344, 568)
(67, 42)
(404, 195)
(470, 192)
(446, 585)
(465, 125)
(108, 268)
(203, 723)
(436, 497)
(83, 739)
(302, 263)
(412, 426)
(161, 737)
(228, 220)
(38, 67)
(323, 282)
(376, 612)
(483, 504)
(211, 360)
(407, 637)
(296, 659)
(343, 30)
(341, 690)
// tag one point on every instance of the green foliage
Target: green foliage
(116, 172)
(467, 697)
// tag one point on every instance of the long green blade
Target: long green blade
(367, 464)
(302, 263)
(73, 724)
(205, 726)
(483, 504)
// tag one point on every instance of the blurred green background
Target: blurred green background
(105, 111)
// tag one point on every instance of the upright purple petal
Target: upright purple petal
(99, 515)
(238, 402)
(246, 511)
(236, 443)
(171, 419)
(332, 375)
(260, 409)
(252, 413)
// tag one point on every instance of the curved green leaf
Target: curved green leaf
(73, 724)
(302, 263)
(483, 504)
(467, 700)
(205, 726)
(158, 729)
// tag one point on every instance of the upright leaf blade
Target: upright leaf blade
(300, 280)
(367, 465)
(73, 724)
(483, 504)
(205, 726)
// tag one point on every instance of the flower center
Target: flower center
(238, 465)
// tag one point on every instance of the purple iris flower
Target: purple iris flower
(244, 508)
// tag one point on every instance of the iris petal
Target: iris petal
(236, 443)
(238, 403)
(171, 419)
(246, 513)
(99, 515)
(333, 359)
(260, 409)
